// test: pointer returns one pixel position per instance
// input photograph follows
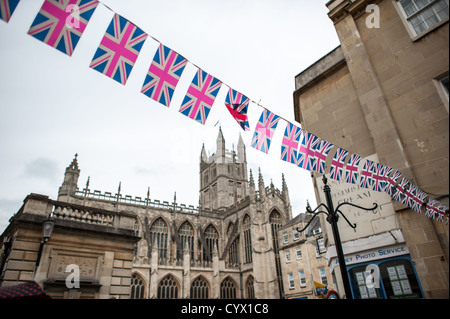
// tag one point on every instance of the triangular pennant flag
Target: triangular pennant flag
(265, 128)
(237, 105)
(61, 24)
(119, 49)
(200, 96)
(290, 142)
(7, 8)
(321, 152)
(163, 75)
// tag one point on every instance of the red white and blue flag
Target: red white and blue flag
(119, 49)
(200, 96)
(431, 208)
(289, 144)
(307, 151)
(61, 23)
(265, 128)
(351, 169)
(399, 190)
(379, 177)
(337, 164)
(237, 105)
(366, 179)
(163, 75)
(390, 186)
(321, 152)
(7, 8)
(418, 200)
(441, 212)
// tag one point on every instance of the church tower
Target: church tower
(223, 176)
(69, 185)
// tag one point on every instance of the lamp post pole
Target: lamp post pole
(333, 219)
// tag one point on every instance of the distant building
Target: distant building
(383, 93)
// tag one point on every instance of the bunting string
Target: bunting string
(61, 23)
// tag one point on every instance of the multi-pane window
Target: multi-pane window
(298, 253)
(186, 234)
(137, 287)
(291, 281)
(285, 237)
(250, 288)
(424, 14)
(301, 275)
(288, 256)
(296, 234)
(158, 236)
(247, 240)
(167, 288)
(199, 289)
(323, 276)
(233, 253)
(228, 289)
(212, 238)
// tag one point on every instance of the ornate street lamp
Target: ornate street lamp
(47, 230)
(332, 218)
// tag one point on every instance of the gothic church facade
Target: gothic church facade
(227, 247)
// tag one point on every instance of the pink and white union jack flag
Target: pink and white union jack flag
(289, 144)
(366, 180)
(265, 128)
(237, 105)
(379, 177)
(163, 75)
(119, 49)
(307, 151)
(321, 152)
(391, 182)
(398, 193)
(60, 23)
(351, 170)
(7, 8)
(200, 96)
(337, 164)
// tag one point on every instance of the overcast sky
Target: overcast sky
(53, 106)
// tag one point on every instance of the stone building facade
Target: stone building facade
(129, 247)
(383, 94)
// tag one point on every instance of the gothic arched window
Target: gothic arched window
(212, 238)
(249, 287)
(199, 289)
(168, 288)
(233, 253)
(186, 234)
(228, 289)
(158, 236)
(137, 287)
(247, 239)
(276, 221)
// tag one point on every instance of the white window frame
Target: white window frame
(295, 234)
(298, 253)
(291, 281)
(323, 275)
(409, 27)
(288, 256)
(302, 278)
(285, 238)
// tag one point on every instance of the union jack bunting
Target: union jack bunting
(265, 128)
(431, 208)
(337, 164)
(7, 8)
(410, 194)
(379, 177)
(307, 152)
(441, 212)
(200, 96)
(366, 180)
(61, 23)
(289, 144)
(351, 170)
(119, 49)
(163, 75)
(391, 183)
(237, 105)
(321, 152)
(418, 201)
(398, 193)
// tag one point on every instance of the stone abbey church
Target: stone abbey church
(139, 248)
